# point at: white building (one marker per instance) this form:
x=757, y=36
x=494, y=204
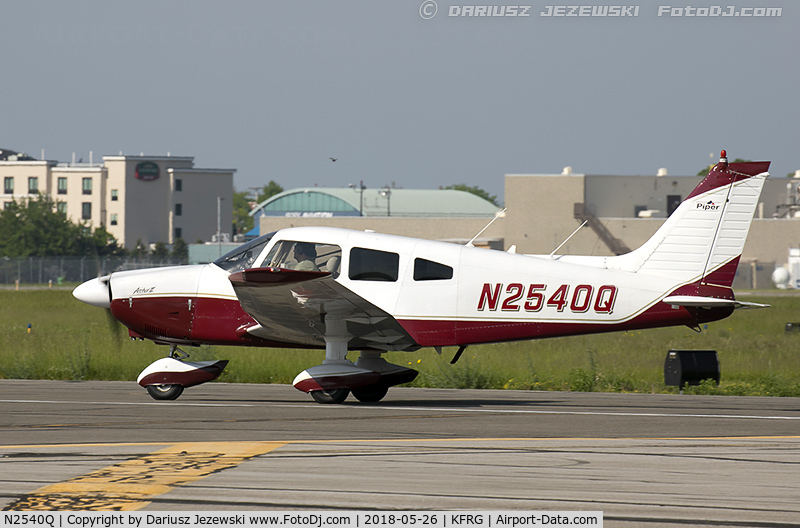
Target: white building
x=147, y=198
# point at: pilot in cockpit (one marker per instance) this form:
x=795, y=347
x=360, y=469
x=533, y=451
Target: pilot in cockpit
x=305, y=254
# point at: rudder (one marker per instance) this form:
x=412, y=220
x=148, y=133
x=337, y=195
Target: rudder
x=704, y=238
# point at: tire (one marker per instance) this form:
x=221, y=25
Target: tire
x=330, y=396
x=164, y=392
x=371, y=394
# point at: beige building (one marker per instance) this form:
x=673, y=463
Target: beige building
x=147, y=198
x=544, y=209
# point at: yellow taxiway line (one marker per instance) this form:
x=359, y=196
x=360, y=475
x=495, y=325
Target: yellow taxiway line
x=131, y=484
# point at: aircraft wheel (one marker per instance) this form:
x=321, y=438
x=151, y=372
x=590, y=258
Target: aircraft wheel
x=330, y=396
x=371, y=394
x=164, y=392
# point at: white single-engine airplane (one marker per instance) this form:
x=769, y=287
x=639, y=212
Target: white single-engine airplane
x=341, y=290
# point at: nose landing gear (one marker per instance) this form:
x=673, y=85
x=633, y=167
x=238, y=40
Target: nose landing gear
x=166, y=378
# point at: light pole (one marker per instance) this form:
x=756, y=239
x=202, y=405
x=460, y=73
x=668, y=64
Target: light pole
x=219, y=226
x=360, y=191
x=387, y=193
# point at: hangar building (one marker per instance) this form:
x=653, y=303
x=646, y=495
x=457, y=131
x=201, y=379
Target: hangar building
x=437, y=214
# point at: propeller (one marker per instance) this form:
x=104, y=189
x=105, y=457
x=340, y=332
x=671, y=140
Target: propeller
x=114, y=325
x=97, y=292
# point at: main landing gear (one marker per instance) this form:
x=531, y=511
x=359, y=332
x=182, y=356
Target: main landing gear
x=368, y=379
x=166, y=378
x=330, y=396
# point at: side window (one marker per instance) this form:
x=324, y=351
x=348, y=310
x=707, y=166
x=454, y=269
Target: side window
x=373, y=265
x=305, y=256
x=425, y=270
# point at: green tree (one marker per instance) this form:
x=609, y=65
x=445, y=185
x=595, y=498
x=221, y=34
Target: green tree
x=101, y=243
x=243, y=200
x=160, y=251
x=140, y=250
x=180, y=250
x=268, y=191
x=34, y=228
x=241, y=212
x=474, y=190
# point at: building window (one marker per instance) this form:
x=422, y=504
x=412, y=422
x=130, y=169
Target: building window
x=178, y=209
x=61, y=207
x=87, y=186
x=33, y=185
x=86, y=211
x=113, y=219
x=6, y=205
x=8, y=184
x=178, y=232
x=178, y=184
x=114, y=195
x=62, y=185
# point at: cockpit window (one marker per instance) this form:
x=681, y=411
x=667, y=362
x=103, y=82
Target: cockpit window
x=305, y=256
x=243, y=257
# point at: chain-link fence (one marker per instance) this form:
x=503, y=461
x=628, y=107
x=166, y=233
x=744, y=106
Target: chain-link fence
x=43, y=270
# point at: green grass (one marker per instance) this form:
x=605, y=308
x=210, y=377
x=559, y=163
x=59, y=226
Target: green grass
x=73, y=341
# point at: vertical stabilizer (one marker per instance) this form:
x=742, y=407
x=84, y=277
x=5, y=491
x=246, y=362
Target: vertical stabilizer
x=704, y=238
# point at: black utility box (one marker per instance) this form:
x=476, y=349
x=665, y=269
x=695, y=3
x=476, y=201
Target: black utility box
x=690, y=367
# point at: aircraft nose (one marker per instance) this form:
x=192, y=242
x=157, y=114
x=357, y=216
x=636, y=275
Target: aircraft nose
x=94, y=292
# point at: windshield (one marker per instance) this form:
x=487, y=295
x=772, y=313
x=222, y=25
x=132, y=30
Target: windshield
x=244, y=256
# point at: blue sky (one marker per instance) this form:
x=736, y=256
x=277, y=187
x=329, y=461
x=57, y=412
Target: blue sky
x=275, y=88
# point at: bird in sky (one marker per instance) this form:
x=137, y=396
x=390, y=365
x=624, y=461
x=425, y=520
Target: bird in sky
x=333, y=159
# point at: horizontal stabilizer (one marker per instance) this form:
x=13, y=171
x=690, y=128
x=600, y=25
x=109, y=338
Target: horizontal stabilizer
x=709, y=302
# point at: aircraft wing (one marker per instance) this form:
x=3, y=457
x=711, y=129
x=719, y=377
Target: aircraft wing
x=293, y=306
x=709, y=302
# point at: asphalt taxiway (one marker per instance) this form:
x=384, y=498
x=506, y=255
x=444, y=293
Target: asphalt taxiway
x=642, y=459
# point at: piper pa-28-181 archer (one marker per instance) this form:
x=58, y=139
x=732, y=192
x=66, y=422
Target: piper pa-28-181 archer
x=342, y=290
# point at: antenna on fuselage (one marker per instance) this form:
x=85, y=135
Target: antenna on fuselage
x=567, y=239
x=497, y=215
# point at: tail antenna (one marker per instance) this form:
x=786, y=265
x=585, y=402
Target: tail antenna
x=500, y=214
x=567, y=239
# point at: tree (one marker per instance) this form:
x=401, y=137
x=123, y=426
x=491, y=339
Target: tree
x=241, y=212
x=268, y=191
x=243, y=204
x=160, y=251
x=474, y=190
x=140, y=250
x=101, y=243
x=180, y=250
x=34, y=228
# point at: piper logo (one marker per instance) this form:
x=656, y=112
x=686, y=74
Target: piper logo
x=708, y=206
